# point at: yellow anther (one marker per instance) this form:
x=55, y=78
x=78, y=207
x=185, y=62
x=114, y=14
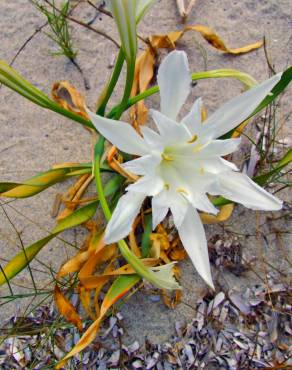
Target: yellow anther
x=202, y=171
x=166, y=157
x=193, y=139
x=182, y=191
x=166, y=186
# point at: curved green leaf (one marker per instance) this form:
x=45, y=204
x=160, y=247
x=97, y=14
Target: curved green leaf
x=263, y=179
x=22, y=259
x=33, y=185
x=78, y=217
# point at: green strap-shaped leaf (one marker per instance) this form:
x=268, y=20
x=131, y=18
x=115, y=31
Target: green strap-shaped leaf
x=43, y=180
x=277, y=90
x=145, y=242
x=23, y=258
x=33, y=185
x=263, y=179
x=78, y=217
x=119, y=288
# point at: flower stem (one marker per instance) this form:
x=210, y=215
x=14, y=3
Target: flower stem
x=128, y=87
x=113, y=81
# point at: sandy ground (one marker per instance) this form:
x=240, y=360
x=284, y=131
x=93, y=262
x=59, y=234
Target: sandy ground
x=32, y=139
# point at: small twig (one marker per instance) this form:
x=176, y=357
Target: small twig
x=80, y=23
x=37, y=30
x=85, y=80
x=22, y=246
x=100, y=9
x=271, y=67
x=7, y=280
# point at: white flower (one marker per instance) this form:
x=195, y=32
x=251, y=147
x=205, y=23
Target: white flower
x=182, y=162
x=127, y=13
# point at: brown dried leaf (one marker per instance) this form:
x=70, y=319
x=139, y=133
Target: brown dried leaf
x=223, y=215
x=105, y=254
x=84, y=295
x=168, y=41
x=144, y=71
x=171, y=300
x=212, y=38
x=69, y=98
x=66, y=308
x=94, y=281
x=73, y=195
x=74, y=264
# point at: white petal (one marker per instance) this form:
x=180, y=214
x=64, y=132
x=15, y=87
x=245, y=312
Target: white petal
x=241, y=189
x=174, y=81
x=192, y=235
x=120, y=134
x=193, y=120
x=215, y=165
x=145, y=165
x=123, y=217
x=219, y=148
x=170, y=131
x=236, y=110
x=150, y=185
x=159, y=209
x=189, y=180
x=152, y=139
x=201, y=202
x=228, y=165
x=178, y=207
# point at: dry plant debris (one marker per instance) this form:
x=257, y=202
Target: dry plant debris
x=230, y=330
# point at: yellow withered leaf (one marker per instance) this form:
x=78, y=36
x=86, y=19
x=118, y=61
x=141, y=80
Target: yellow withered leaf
x=74, y=264
x=132, y=238
x=144, y=71
x=84, y=295
x=168, y=40
x=66, y=308
x=105, y=254
x=223, y=215
x=98, y=288
x=74, y=193
x=213, y=39
x=35, y=184
x=69, y=98
x=118, y=289
x=177, y=254
x=171, y=300
x=94, y=281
